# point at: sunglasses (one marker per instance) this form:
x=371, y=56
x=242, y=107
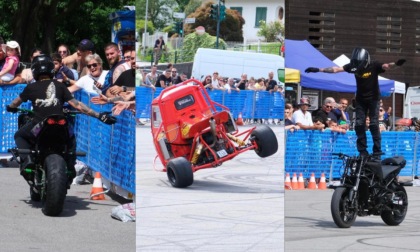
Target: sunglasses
x=328, y=106
x=62, y=52
x=92, y=65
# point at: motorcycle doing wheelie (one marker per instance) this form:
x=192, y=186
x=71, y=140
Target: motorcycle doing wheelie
x=369, y=188
x=48, y=177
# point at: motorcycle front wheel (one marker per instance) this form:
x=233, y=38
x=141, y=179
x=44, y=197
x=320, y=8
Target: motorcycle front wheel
x=398, y=207
x=343, y=212
x=55, y=185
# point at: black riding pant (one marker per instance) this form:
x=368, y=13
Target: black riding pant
x=364, y=108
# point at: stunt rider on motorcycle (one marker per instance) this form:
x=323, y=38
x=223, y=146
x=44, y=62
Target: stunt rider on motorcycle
x=48, y=97
x=368, y=94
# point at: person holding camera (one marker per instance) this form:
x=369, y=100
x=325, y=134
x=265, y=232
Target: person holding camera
x=366, y=73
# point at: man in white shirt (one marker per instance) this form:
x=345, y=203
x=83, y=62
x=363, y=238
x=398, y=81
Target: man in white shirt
x=303, y=118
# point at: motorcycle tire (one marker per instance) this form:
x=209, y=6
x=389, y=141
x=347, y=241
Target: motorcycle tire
x=395, y=216
x=55, y=185
x=342, y=212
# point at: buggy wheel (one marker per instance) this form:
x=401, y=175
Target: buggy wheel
x=179, y=172
x=343, y=212
x=398, y=210
x=55, y=185
x=266, y=141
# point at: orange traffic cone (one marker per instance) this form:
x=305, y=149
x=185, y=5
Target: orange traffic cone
x=301, y=183
x=294, y=182
x=240, y=121
x=97, y=192
x=287, y=183
x=312, y=183
x=322, y=183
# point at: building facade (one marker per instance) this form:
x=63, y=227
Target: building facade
x=254, y=11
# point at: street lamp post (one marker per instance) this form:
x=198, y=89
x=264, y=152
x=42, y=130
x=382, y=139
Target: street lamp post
x=145, y=30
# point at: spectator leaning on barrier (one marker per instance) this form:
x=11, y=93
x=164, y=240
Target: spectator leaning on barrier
x=126, y=81
x=48, y=97
x=164, y=80
x=116, y=64
x=84, y=48
x=288, y=122
x=325, y=111
x=243, y=83
x=366, y=73
x=271, y=83
x=303, y=118
x=341, y=113
x=151, y=77
x=175, y=77
x=61, y=70
x=383, y=122
x=92, y=82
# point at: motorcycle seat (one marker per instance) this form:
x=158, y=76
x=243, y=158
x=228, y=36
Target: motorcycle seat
x=394, y=161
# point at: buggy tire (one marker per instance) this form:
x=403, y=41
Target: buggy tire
x=342, y=212
x=180, y=172
x=395, y=216
x=266, y=141
x=55, y=185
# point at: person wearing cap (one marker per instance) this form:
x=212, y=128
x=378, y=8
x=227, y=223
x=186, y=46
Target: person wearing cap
x=8, y=70
x=366, y=73
x=84, y=48
x=303, y=118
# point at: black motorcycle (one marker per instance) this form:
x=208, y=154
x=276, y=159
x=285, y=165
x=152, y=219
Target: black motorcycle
x=49, y=177
x=369, y=187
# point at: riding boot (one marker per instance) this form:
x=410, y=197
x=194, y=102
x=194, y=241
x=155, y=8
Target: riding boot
x=27, y=167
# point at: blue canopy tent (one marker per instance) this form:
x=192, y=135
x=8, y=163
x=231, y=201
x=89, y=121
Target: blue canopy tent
x=301, y=55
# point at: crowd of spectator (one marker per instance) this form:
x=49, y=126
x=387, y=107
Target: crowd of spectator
x=331, y=116
x=82, y=69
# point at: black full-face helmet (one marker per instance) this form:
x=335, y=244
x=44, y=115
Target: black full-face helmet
x=360, y=59
x=42, y=65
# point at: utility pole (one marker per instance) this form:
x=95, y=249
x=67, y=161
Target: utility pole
x=145, y=30
x=218, y=25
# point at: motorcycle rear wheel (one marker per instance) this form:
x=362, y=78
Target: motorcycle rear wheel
x=397, y=215
x=342, y=212
x=55, y=185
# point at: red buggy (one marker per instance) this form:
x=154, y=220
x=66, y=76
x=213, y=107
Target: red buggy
x=191, y=132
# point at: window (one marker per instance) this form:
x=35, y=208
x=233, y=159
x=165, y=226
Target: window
x=260, y=15
x=239, y=9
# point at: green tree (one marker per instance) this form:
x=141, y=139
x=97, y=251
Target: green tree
x=192, y=6
x=271, y=30
x=46, y=24
x=230, y=28
x=193, y=41
x=158, y=11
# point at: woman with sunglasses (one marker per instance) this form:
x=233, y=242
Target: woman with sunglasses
x=64, y=51
x=93, y=81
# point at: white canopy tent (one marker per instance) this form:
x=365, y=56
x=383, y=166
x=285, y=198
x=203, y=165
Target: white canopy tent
x=399, y=87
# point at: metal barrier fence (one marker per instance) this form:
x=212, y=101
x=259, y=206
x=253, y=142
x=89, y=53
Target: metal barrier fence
x=252, y=104
x=109, y=149
x=310, y=151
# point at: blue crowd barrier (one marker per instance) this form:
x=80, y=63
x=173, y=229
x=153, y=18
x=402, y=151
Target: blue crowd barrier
x=310, y=151
x=110, y=149
x=252, y=104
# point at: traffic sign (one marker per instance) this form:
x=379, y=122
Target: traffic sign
x=189, y=20
x=179, y=15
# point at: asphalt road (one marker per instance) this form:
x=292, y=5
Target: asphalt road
x=235, y=207
x=84, y=225
x=310, y=227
